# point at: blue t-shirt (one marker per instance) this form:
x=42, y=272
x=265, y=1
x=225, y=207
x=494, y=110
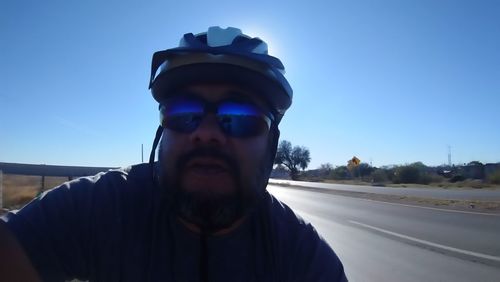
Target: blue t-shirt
x=115, y=226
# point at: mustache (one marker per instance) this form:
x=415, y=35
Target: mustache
x=230, y=162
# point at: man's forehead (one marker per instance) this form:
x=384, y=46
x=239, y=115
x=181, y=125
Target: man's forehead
x=219, y=91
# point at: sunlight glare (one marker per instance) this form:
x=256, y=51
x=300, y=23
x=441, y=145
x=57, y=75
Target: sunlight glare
x=273, y=46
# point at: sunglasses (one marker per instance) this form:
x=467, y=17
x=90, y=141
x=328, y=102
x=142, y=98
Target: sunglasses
x=235, y=118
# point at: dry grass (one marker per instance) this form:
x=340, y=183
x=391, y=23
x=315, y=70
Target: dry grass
x=18, y=190
x=469, y=183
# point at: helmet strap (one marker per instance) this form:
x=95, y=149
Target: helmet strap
x=159, y=132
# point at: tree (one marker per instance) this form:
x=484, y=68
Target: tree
x=293, y=158
x=364, y=170
x=325, y=169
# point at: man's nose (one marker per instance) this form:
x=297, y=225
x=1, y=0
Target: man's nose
x=209, y=132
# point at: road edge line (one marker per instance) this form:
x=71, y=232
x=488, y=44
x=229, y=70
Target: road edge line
x=428, y=243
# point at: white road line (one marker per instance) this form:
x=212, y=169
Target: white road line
x=479, y=255
x=429, y=208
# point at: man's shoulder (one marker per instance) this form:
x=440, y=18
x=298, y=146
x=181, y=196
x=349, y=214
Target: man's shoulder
x=288, y=226
x=139, y=173
x=296, y=239
x=83, y=221
x=284, y=216
x=123, y=185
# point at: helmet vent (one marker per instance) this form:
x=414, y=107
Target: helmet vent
x=217, y=36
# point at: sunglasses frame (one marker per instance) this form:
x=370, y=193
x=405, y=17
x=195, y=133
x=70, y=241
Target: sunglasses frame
x=213, y=108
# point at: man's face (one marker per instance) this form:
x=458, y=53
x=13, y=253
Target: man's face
x=213, y=177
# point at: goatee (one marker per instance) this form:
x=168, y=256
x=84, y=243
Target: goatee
x=210, y=211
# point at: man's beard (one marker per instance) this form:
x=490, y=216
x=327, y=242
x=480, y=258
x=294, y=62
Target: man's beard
x=209, y=210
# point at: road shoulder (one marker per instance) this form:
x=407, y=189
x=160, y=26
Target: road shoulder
x=490, y=207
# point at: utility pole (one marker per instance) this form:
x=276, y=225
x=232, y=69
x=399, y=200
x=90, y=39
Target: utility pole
x=449, y=155
x=142, y=153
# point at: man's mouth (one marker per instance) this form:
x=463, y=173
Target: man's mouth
x=207, y=166
x=208, y=174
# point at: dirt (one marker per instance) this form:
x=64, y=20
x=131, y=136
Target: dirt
x=18, y=190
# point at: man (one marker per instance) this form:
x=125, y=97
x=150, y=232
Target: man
x=202, y=212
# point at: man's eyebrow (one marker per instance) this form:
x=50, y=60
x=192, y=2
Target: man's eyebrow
x=182, y=94
x=244, y=96
x=239, y=95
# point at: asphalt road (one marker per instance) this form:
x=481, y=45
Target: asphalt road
x=379, y=241
x=432, y=192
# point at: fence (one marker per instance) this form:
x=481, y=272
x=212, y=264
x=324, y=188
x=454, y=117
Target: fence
x=46, y=170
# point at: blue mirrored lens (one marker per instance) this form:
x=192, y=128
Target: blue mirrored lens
x=242, y=119
x=182, y=115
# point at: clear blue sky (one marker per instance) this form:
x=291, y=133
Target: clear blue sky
x=390, y=82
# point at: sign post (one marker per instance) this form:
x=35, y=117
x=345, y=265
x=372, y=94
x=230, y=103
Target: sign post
x=352, y=164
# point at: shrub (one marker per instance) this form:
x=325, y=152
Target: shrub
x=407, y=174
x=379, y=176
x=494, y=178
x=425, y=178
x=457, y=178
x=390, y=173
x=340, y=173
x=416, y=173
x=436, y=178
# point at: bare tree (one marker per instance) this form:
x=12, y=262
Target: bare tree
x=293, y=158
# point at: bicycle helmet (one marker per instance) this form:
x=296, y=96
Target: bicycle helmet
x=222, y=55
